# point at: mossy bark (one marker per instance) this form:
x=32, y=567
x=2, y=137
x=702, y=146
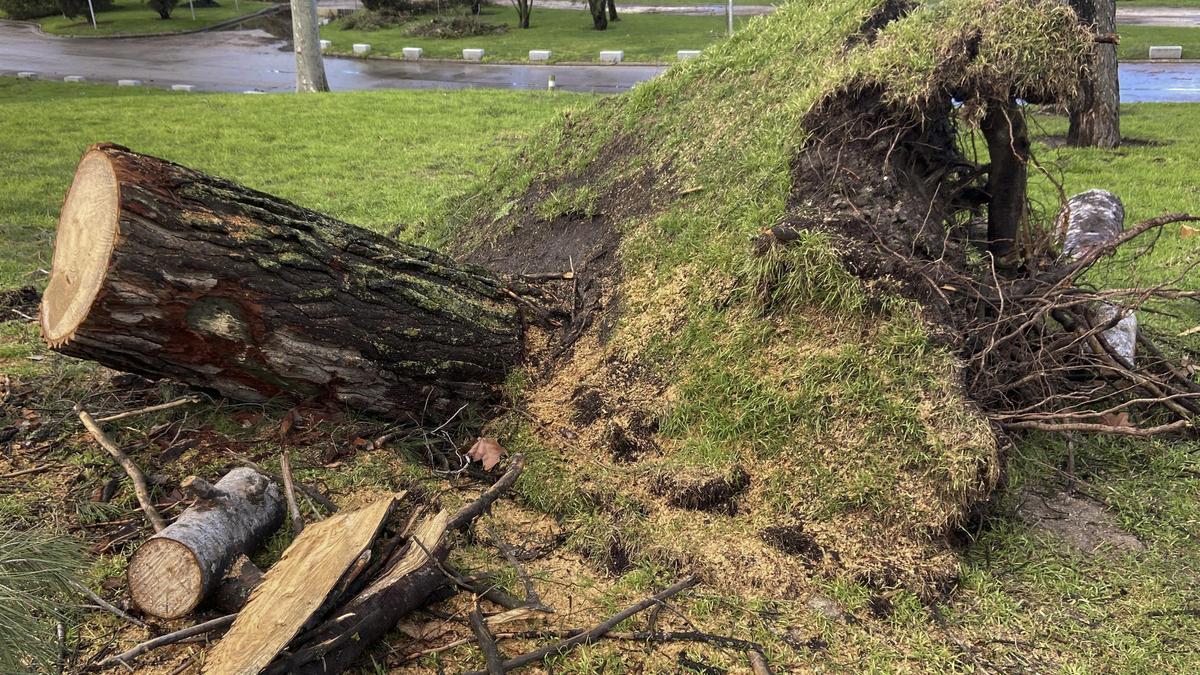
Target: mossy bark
x=244, y=293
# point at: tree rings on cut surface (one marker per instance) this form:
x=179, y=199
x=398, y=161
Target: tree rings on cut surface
x=87, y=230
x=165, y=578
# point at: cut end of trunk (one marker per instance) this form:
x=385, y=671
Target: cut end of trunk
x=165, y=578
x=87, y=230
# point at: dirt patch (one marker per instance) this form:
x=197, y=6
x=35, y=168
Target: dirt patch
x=715, y=495
x=792, y=539
x=1084, y=524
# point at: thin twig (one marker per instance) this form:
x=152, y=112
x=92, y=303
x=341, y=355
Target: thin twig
x=289, y=491
x=154, y=408
x=140, y=487
x=309, y=492
x=26, y=472
x=532, y=600
x=597, y=632
x=170, y=638
x=103, y=604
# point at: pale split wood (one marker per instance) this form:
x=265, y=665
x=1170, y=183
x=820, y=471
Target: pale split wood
x=88, y=228
x=295, y=588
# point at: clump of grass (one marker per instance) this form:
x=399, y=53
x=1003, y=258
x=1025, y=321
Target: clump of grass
x=36, y=570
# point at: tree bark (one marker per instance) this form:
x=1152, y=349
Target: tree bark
x=1095, y=116
x=612, y=11
x=1008, y=150
x=173, y=571
x=310, y=69
x=166, y=272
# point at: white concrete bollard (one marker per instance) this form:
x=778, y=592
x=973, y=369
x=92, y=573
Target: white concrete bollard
x=129, y=83
x=1166, y=52
x=412, y=53
x=611, y=57
x=73, y=78
x=325, y=44
x=27, y=75
x=253, y=91
x=685, y=54
x=472, y=55
x=182, y=87
x=362, y=49
x=539, y=54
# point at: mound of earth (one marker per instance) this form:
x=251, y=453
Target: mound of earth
x=745, y=386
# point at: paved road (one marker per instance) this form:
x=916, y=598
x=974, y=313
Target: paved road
x=255, y=60
x=1159, y=16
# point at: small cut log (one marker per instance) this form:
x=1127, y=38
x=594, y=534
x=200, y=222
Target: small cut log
x=177, y=568
x=167, y=272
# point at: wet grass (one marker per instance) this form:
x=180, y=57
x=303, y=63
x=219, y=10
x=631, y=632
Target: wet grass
x=650, y=38
x=130, y=17
x=1137, y=40
x=1024, y=602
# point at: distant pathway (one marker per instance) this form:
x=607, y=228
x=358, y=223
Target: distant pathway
x=1134, y=16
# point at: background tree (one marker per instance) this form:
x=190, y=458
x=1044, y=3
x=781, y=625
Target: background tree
x=612, y=11
x=524, y=9
x=599, y=14
x=163, y=7
x=310, y=70
x=1096, y=115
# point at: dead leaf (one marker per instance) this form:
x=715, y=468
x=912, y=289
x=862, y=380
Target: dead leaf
x=1186, y=232
x=1116, y=419
x=487, y=451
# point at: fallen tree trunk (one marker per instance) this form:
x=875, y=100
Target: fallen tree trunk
x=177, y=568
x=167, y=272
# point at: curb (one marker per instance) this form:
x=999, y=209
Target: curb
x=489, y=62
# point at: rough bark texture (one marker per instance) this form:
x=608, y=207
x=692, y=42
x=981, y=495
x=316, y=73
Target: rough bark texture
x=1095, y=115
x=310, y=69
x=173, y=571
x=237, y=291
x=1008, y=146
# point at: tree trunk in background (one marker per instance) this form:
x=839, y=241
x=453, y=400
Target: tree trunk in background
x=612, y=11
x=310, y=69
x=167, y=272
x=1008, y=149
x=1096, y=114
x=598, y=9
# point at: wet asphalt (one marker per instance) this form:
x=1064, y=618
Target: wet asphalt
x=255, y=60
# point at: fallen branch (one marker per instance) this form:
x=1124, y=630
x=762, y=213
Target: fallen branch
x=154, y=408
x=140, y=487
x=1172, y=427
x=289, y=491
x=491, y=654
x=596, y=633
x=532, y=600
x=124, y=658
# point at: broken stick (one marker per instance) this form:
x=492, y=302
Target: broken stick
x=140, y=487
x=289, y=491
x=124, y=658
x=487, y=643
x=153, y=408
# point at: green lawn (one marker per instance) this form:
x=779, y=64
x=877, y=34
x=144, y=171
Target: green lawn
x=1025, y=602
x=371, y=158
x=1136, y=41
x=131, y=17
x=1158, y=3
x=567, y=33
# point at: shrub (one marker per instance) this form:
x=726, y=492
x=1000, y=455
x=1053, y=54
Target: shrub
x=372, y=19
x=74, y=8
x=455, y=27
x=28, y=9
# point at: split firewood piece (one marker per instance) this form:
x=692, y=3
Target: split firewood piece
x=296, y=588
x=177, y=568
x=140, y=486
x=164, y=271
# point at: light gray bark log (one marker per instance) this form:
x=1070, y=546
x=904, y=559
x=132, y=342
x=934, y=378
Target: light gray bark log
x=182, y=565
x=310, y=68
